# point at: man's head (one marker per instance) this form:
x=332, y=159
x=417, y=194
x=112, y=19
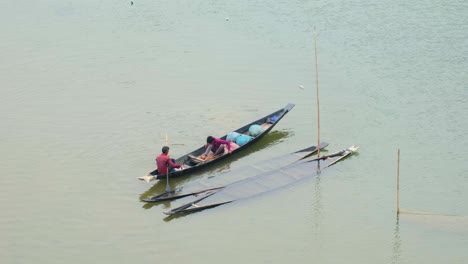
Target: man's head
x=165, y=149
x=209, y=139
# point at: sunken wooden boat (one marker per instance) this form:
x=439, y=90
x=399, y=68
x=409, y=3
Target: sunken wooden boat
x=262, y=183
x=192, y=161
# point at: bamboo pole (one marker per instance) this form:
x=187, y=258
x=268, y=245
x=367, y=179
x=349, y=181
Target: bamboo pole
x=317, y=91
x=398, y=183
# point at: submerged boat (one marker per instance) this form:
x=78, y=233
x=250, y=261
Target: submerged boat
x=192, y=161
x=213, y=183
x=262, y=183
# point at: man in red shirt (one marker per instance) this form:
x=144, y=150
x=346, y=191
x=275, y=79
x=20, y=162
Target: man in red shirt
x=163, y=162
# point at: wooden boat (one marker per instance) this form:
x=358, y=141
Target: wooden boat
x=213, y=183
x=192, y=161
x=262, y=183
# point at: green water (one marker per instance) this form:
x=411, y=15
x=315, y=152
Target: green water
x=88, y=90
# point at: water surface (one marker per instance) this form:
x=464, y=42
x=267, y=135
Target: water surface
x=90, y=88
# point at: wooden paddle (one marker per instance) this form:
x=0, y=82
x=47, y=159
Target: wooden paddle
x=168, y=187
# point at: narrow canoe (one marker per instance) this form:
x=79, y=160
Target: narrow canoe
x=191, y=161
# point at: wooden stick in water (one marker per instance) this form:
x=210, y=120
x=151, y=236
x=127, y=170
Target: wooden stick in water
x=398, y=183
x=317, y=90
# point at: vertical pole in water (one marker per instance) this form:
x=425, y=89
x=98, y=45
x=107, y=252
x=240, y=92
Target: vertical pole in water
x=398, y=183
x=168, y=188
x=317, y=89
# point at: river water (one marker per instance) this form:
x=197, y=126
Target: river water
x=89, y=90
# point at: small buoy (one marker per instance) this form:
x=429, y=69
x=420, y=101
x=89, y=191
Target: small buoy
x=227, y=18
x=301, y=86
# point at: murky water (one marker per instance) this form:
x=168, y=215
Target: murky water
x=90, y=88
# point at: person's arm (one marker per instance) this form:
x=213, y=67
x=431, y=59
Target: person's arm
x=173, y=165
x=207, y=151
x=228, y=143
